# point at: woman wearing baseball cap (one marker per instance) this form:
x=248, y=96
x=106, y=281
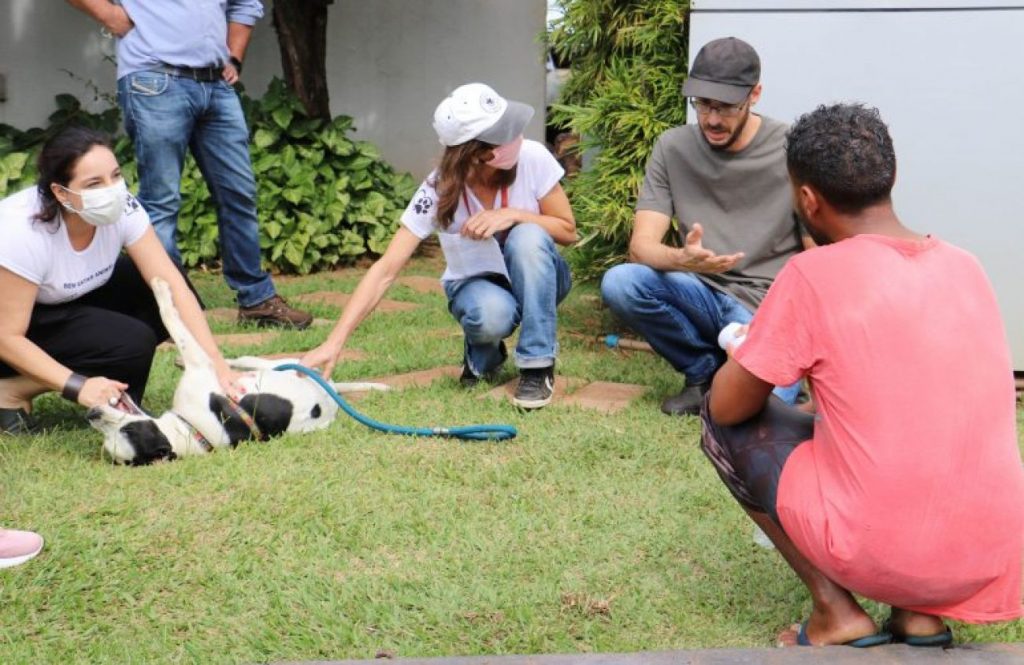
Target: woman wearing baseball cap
x=497, y=206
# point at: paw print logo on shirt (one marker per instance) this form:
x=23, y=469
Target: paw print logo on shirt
x=131, y=204
x=423, y=203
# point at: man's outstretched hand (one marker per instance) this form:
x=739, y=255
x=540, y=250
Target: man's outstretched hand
x=694, y=257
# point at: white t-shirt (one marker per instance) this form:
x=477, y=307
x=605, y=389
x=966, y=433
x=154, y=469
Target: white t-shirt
x=42, y=253
x=536, y=174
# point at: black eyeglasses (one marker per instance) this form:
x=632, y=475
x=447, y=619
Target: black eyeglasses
x=705, y=107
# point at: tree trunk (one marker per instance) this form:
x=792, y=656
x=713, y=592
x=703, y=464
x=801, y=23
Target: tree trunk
x=302, y=36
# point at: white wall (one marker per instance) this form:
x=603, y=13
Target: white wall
x=39, y=39
x=947, y=84
x=389, y=63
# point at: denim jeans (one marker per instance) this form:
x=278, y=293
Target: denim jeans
x=680, y=316
x=165, y=115
x=489, y=308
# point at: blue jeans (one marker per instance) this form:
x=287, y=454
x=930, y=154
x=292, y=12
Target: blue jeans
x=165, y=115
x=489, y=308
x=680, y=316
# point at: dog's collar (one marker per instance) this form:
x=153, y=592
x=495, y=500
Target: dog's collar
x=247, y=420
x=203, y=442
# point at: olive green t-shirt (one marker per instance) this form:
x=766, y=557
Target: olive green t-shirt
x=742, y=200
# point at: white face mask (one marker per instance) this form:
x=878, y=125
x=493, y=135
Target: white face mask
x=101, y=206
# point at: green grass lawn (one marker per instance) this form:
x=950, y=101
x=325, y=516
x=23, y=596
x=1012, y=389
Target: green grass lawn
x=588, y=532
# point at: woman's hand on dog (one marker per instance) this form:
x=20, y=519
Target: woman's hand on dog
x=323, y=357
x=99, y=390
x=230, y=382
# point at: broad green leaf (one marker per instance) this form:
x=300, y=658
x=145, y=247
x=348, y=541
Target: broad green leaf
x=369, y=150
x=282, y=116
x=264, y=138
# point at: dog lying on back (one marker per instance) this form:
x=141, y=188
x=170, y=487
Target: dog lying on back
x=202, y=417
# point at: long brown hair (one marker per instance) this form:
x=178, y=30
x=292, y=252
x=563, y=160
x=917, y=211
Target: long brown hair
x=450, y=179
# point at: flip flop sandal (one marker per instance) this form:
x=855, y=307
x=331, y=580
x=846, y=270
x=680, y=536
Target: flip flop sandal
x=875, y=640
x=17, y=421
x=943, y=639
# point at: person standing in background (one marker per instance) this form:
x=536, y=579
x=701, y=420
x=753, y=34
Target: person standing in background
x=176, y=63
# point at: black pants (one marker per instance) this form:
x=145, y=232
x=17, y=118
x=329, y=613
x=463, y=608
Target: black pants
x=112, y=331
x=749, y=456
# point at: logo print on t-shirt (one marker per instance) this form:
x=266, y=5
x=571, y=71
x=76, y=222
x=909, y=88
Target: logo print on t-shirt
x=131, y=204
x=423, y=204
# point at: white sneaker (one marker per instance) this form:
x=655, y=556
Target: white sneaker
x=17, y=547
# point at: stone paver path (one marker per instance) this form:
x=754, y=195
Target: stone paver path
x=245, y=339
x=603, y=396
x=231, y=339
x=563, y=386
x=422, y=284
x=339, y=299
x=417, y=379
x=230, y=315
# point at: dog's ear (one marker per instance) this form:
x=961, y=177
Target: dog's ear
x=272, y=414
x=149, y=442
x=234, y=427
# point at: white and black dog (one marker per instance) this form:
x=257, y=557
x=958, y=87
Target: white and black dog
x=202, y=417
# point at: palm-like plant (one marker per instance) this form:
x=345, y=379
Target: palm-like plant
x=628, y=62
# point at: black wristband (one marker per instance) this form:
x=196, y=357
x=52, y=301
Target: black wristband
x=73, y=386
x=236, y=63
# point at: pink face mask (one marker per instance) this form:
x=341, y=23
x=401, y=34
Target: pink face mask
x=506, y=155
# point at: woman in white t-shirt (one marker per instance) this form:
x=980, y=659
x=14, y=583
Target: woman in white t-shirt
x=497, y=206
x=77, y=316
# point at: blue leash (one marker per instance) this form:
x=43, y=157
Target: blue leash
x=469, y=432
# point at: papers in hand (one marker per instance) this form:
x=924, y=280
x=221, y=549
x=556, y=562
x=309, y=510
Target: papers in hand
x=467, y=257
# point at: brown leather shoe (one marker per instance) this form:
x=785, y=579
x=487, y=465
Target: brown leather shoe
x=275, y=312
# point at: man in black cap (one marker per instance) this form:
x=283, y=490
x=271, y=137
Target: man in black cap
x=725, y=182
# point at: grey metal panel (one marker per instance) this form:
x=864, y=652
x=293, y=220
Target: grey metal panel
x=948, y=85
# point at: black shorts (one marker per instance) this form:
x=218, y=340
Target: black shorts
x=749, y=457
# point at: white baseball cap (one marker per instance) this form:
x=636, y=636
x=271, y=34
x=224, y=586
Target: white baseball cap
x=476, y=111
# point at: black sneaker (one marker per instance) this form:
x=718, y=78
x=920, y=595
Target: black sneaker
x=18, y=421
x=469, y=379
x=687, y=402
x=536, y=387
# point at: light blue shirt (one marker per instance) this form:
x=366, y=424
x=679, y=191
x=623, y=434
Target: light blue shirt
x=184, y=33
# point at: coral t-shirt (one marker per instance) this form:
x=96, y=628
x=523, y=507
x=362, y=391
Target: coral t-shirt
x=911, y=491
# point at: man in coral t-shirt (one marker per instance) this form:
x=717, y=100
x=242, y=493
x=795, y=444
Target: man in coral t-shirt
x=907, y=490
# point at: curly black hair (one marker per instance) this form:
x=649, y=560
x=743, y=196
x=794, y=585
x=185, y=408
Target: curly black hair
x=845, y=152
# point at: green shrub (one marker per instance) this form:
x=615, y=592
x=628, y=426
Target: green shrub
x=18, y=149
x=323, y=198
x=628, y=63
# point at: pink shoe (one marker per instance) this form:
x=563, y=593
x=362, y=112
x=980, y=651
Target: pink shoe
x=17, y=547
